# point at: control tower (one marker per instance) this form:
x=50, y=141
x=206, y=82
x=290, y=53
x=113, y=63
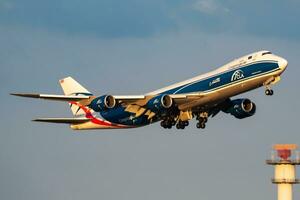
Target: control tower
x=285, y=162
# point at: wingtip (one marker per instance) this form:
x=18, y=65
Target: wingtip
x=26, y=95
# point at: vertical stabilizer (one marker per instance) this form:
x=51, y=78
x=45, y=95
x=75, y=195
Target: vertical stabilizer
x=72, y=87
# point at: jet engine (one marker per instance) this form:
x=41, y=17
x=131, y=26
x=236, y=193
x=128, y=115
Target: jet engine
x=161, y=102
x=241, y=108
x=103, y=103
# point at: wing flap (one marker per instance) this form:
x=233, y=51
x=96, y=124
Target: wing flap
x=62, y=120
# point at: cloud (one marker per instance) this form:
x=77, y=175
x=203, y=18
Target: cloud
x=209, y=7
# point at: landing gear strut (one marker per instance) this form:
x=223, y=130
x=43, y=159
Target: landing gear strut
x=268, y=91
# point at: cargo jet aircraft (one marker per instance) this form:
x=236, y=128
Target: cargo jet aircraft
x=200, y=97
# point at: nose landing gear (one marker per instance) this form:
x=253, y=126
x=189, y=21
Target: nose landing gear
x=269, y=92
x=268, y=83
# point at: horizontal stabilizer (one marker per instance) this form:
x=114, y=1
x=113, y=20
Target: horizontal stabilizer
x=52, y=97
x=62, y=120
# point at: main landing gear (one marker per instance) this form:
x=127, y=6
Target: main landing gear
x=168, y=123
x=182, y=124
x=202, y=119
x=202, y=123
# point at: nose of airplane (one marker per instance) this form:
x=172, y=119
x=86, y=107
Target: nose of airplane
x=282, y=63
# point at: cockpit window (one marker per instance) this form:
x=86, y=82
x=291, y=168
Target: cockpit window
x=265, y=53
x=250, y=57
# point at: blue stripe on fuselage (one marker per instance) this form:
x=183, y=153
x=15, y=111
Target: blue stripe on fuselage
x=224, y=78
x=120, y=116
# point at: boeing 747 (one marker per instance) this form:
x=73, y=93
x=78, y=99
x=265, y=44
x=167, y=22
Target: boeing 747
x=201, y=97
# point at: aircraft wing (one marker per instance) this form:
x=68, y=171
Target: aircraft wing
x=138, y=105
x=190, y=100
x=142, y=100
x=53, y=97
x=186, y=97
x=62, y=120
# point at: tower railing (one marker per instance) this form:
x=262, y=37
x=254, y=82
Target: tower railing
x=282, y=162
x=283, y=180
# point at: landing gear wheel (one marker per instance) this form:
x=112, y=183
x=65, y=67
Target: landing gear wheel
x=166, y=124
x=201, y=125
x=202, y=119
x=182, y=124
x=269, y=92
x=178, y=126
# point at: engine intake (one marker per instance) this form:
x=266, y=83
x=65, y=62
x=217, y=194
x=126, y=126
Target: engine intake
x=103, y=103
x=161, y=102
x=241, y=108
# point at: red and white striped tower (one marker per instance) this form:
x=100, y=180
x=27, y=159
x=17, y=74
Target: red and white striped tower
x=285, y=169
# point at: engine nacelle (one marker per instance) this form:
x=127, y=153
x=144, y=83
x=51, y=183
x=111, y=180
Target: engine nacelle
x=161, y=102
x=103, y=103
x=241, y=108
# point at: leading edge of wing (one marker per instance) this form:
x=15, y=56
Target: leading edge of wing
x=52, y=96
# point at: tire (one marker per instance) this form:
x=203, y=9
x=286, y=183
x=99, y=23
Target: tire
x=202, y=126
x=268, y=92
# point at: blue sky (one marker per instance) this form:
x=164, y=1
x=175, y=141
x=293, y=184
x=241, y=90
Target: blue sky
x=133, y=47
x=132, y=18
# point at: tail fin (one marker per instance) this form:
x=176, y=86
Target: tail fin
x=72, y=87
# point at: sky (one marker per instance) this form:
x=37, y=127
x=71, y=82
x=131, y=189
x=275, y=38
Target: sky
x=133, y=47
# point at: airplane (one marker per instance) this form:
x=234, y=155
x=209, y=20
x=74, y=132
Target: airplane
x=200, y=97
